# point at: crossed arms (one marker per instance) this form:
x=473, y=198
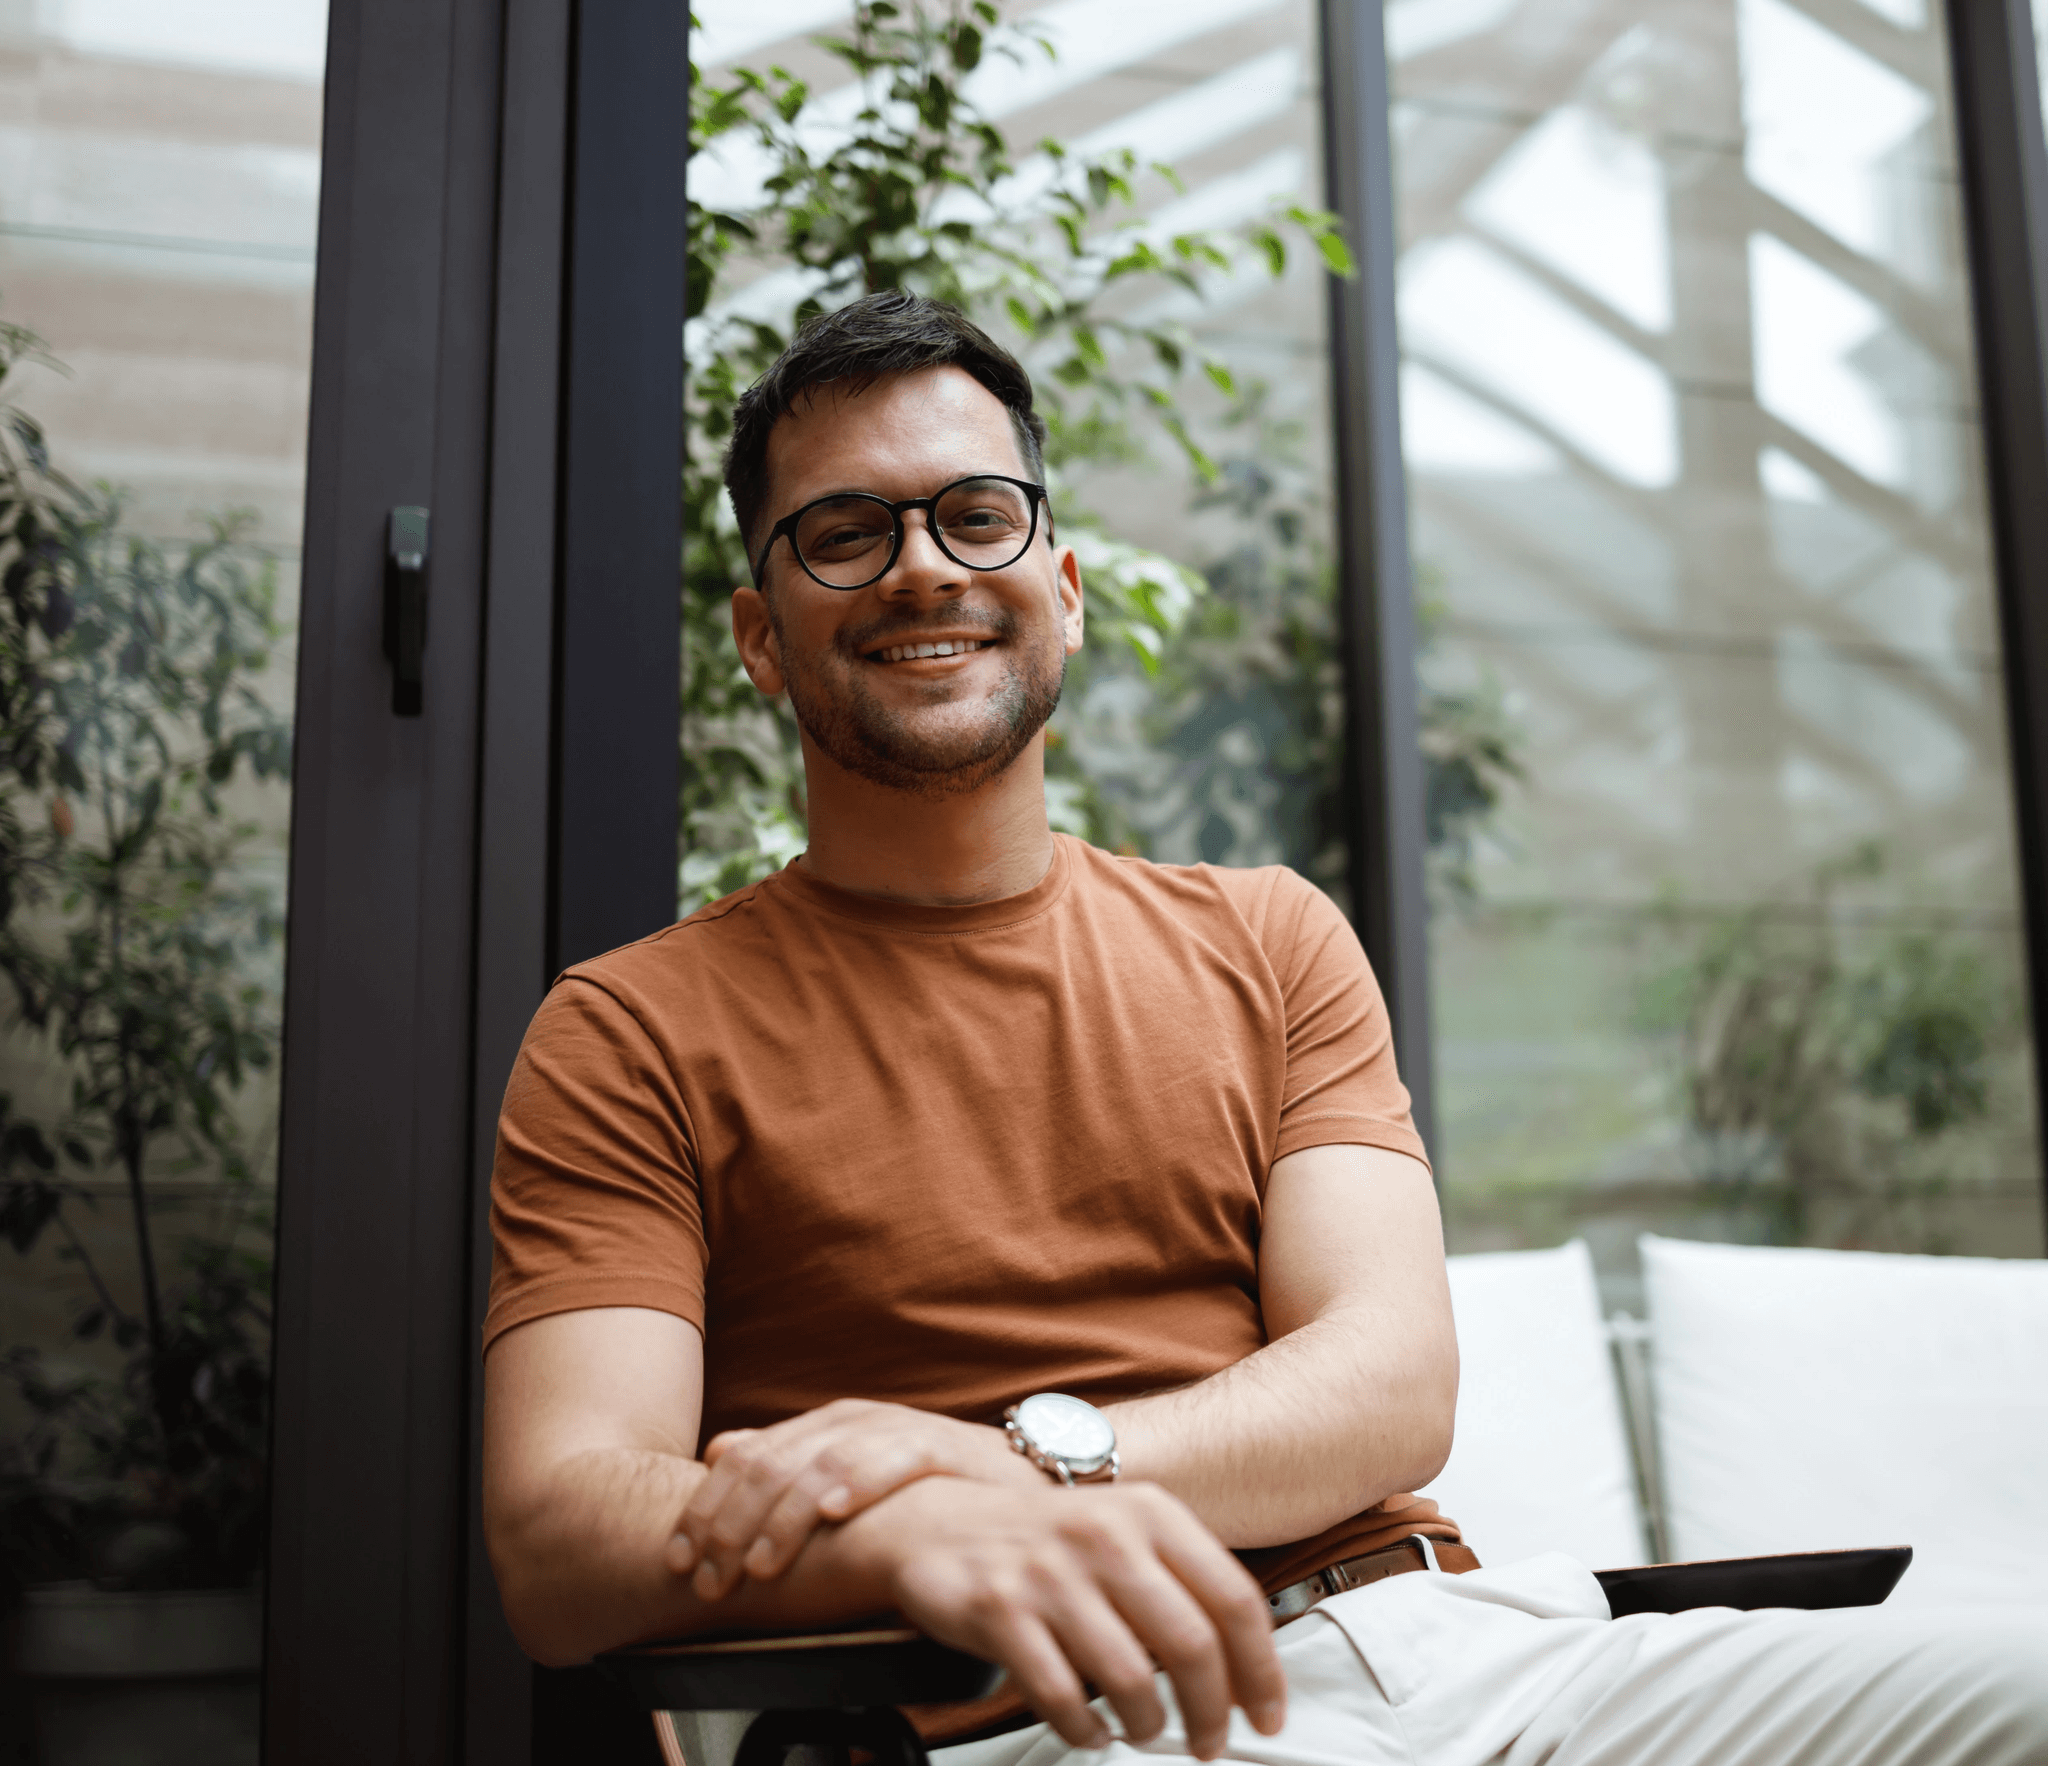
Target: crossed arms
x=604, y=1528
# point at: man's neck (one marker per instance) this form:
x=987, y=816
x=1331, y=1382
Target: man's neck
x=983, y=845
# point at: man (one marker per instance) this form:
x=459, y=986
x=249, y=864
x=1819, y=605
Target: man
x=795, y=1200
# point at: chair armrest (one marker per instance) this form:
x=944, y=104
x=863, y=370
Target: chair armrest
x=1809, y=1579
x=897, y=1666
x=814, y=1671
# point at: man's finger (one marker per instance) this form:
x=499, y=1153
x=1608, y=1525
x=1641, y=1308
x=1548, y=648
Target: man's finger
x=840, y=1481
x=1099, y=1641
x=1181, y=1637
x=1041, y=1672
x=714, y=1449
x=729, y=1507
x=1243, y=1622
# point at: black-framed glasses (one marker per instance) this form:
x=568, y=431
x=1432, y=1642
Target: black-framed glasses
x=853, y=538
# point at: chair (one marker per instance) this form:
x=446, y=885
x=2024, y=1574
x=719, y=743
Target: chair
x=751, y=1701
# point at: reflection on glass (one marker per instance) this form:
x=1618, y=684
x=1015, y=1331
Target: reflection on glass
x=1725, y=930
x=1202, y=721
x=157, y=217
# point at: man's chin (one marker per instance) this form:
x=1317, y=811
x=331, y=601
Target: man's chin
x=942, y=749
x=930, y=763
x=933, y=774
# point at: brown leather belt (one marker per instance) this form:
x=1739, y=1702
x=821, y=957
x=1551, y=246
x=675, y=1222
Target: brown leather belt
x=1004, y=1710
x=1417, y=1552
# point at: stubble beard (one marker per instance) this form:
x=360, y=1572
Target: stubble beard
x=934, y=757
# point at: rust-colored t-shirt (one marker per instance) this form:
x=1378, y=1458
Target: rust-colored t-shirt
x=947, y=1156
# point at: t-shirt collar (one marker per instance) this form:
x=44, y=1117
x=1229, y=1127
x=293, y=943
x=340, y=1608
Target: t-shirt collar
x=904, y=916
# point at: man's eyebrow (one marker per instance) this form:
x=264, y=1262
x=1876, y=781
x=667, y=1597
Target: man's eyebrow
x=862, y=490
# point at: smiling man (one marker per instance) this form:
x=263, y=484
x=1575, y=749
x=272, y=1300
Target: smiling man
x=966, y=1223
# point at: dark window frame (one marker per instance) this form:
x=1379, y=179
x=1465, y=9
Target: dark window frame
x=1382, y=776
x=2004, y=164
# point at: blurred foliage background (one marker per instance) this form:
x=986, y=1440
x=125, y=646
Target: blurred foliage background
x=143, y=962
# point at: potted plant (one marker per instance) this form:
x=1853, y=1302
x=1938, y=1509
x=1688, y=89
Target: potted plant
x=135, y=948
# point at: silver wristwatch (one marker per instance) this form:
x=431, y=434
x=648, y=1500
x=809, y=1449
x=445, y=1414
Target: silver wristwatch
x=1066, y=1438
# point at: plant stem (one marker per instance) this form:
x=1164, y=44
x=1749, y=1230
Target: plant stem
x=128, y=1128
x=92, y=1272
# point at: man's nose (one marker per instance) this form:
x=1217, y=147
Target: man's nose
x=921, y=568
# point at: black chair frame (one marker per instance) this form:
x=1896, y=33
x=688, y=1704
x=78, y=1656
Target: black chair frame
x=839, y=1691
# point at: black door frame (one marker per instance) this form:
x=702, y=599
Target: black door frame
x=497, y=336
x=368, y=1475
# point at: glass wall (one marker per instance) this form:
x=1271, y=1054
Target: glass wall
x=1726, y=940
x=159, y=179
x=1190, y=433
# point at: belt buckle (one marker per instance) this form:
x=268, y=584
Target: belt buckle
x=1292, y=1602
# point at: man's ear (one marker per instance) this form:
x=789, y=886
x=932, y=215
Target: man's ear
x=754, y=632
x=1067, y=584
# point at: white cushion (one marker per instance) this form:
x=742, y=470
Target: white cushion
x=1817, y=1399
x=1540, y=1462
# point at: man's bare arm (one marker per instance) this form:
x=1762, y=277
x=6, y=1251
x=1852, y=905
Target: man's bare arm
x=589, y=1418
x=1352, y=1398
x=590, y=1428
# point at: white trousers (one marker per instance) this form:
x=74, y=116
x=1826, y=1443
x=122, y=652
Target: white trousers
x=1521, y=1666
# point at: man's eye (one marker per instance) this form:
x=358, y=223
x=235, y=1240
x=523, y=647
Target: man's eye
x=843, y=537
x=981, y=520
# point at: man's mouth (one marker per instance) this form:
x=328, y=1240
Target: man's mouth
x=933, y=647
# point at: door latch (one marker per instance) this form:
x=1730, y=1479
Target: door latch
x=405, y=606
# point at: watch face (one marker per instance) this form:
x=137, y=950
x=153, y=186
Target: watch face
x=1078, y=1433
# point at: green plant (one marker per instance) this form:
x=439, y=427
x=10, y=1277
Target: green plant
x=137, y=951
x=1471, y=754
x=917, y=188
x=1823, y=1069
x=1229, y=748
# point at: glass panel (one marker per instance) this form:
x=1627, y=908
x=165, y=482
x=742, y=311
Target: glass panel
x=159, y=177
x=2041, y=47
x=1202, y=721
x=1726, y=932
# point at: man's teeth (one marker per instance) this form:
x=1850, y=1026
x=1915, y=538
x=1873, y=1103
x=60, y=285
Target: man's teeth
x=944, y=647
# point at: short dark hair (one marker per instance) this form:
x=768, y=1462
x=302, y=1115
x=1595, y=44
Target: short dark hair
x=884, y=334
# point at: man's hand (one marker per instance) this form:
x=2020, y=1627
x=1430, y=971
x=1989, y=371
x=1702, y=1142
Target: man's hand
x=770, y=1489
x=1069, y=1589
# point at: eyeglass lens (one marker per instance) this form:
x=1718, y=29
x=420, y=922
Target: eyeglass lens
x=982, y=523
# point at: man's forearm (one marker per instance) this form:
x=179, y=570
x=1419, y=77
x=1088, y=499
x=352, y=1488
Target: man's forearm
x=1353, y=1396
x=1313, y=1428
x=585, y=1564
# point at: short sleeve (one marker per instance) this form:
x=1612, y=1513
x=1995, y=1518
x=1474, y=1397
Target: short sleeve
x=1343, y=1087
x=594, y=1192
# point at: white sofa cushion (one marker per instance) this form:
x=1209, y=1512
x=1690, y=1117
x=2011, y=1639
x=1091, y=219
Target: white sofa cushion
x=1541, y=1462
x=1814, y=1399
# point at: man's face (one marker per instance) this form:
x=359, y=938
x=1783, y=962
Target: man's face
x=934, y=725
